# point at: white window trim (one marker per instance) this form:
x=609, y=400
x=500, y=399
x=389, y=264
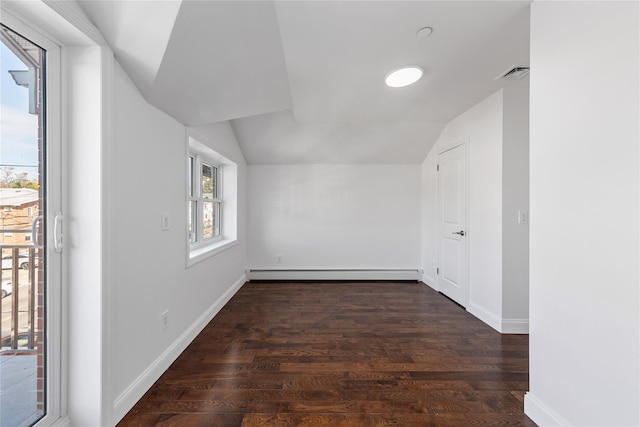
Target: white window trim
x=203, y=249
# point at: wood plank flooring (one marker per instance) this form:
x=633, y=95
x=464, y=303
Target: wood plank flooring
x=342, y=354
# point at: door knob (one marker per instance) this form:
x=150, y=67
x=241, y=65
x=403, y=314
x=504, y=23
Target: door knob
x=461, y=232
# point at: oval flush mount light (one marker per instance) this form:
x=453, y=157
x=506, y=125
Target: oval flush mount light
x=425, y=32
x=403, y=76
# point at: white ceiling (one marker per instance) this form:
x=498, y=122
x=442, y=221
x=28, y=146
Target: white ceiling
x=303, y=81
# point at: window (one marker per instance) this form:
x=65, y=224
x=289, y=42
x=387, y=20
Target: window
x=205, y=200
x=211, y=202
x=29, y=212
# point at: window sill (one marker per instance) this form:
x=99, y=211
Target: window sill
x=200, y=254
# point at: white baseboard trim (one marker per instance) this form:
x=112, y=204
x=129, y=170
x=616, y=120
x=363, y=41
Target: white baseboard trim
x=125, y=401
x=485, y=315
x=515, y=326
x=346, y=274
x=504, y=326
x=430, y=281
x=541, y=413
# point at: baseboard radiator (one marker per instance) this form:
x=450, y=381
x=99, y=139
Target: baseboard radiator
x=338, y=274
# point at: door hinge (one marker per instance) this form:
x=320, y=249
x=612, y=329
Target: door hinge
x=437, y=271
x=437, y=168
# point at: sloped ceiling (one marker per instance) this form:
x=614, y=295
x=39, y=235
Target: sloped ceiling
x=303, y=81
x=224, y=61
x=129, y=27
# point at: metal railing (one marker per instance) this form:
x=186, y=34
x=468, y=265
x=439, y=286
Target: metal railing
x=19, y=333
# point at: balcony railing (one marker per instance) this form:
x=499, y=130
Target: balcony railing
x=20, y=281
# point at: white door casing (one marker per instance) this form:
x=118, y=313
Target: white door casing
x=452, y=223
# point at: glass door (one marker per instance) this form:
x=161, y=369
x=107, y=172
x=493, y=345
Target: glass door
x=29, y=227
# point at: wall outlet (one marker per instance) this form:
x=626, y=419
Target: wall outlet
x=278, y=258
x=164, y=320
x=165, y=221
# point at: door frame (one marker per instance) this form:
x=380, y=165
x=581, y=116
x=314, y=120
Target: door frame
x=55, y=319
x=441, y=150
x=87, y=85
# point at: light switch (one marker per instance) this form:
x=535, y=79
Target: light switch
x=522, y=217
x=165, y=221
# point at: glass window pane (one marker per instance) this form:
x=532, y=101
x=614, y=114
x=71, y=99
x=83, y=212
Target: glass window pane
x=216, y=219
x=209, y=218
x=214, y=184
x=207, y=181
x=23, y=380
x=190, y=176
x=193, y=227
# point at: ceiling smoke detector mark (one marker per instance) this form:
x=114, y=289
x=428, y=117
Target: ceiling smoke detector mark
x=514, y=73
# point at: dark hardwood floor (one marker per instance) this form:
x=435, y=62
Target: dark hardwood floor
x=342, y=354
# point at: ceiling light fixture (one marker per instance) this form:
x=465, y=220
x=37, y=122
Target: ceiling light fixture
x=425, y=32
x=403, y=76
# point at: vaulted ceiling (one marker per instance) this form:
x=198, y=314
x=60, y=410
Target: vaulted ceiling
x=303, y=81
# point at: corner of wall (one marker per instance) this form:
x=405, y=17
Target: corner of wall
x=430, y=281
x=428, y=217
x=515, y=326
x=491, y=319
x=542, y=413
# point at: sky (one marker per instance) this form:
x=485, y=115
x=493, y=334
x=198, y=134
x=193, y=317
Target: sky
x=18, y=128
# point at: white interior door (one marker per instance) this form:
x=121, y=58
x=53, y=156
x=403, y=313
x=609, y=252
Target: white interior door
x=452, y=223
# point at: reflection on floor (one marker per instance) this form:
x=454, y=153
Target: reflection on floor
x=342, y=354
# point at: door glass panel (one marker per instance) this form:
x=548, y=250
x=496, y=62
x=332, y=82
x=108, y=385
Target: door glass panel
x=22, y=198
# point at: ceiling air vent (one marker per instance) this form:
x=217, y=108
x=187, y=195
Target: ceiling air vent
x=514, y=73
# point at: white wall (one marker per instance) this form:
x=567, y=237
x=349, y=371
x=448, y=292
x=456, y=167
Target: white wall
x=148, y=177
x=482, y=125
x=429, y=218
x=334, y=216
x=481, y=128
x=83, y=236
x=496, y=133
x=585, y=308
x=515, y=198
